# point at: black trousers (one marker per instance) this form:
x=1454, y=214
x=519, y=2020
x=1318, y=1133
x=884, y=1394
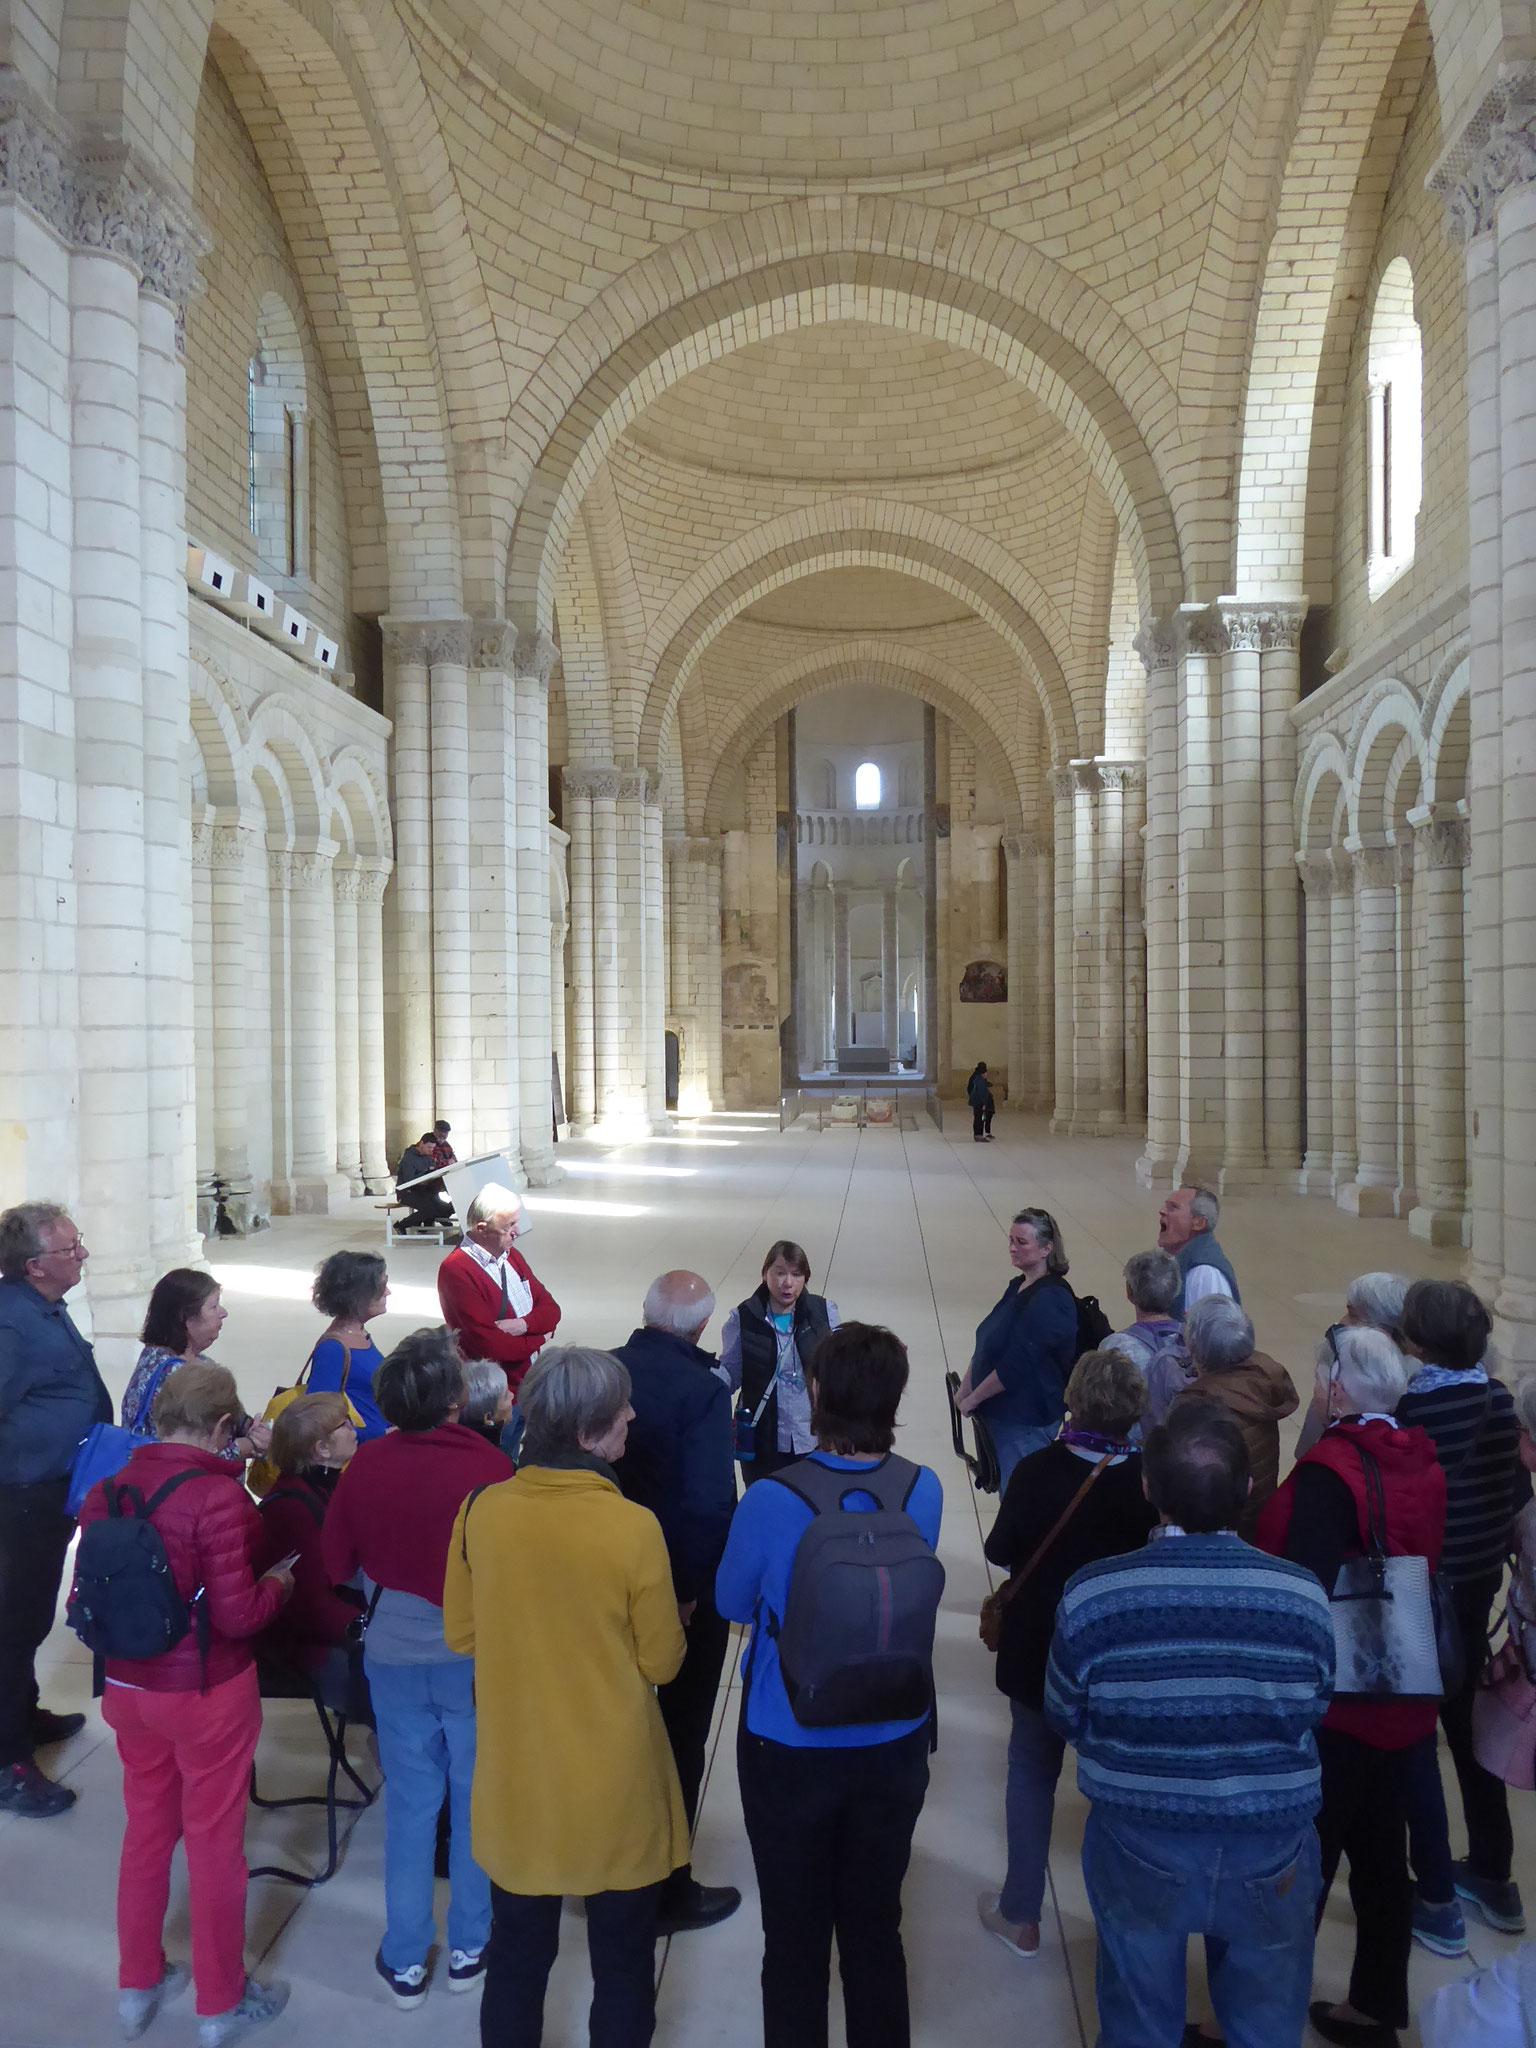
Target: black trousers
x=525, y=1938
x=1364, y=1817
x=981, y=1118
x=34, y=1539
x=1484, y=1801
x=427, y=1205
x=831, y=1834
x=687, y=1702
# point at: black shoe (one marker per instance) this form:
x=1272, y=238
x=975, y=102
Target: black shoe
x=701, y=1905
x=1350, y=2033
x=49, y=1728
x=25, y=1791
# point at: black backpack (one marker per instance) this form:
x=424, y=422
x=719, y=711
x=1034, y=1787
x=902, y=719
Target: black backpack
x=856, y=1637
x=1093, y=1326
x=124, y=1601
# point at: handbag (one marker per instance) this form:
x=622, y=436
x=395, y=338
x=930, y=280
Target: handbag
x=106, y=1447
x=1504, y=1719
x=261, y=1475
x=997, y=1603
x=1395, y=1633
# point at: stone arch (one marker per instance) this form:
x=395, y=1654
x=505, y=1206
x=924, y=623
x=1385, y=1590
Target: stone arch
x=1388, y=716
x=890, y=261
x=1448, y=731
x=132, y=68
x=865, y=660
x=220, y=732
x=291, y=755
x=1322, y=794
x=351, y=788
x=848, y=532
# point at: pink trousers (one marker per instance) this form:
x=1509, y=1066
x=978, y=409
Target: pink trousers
x=186, y=1774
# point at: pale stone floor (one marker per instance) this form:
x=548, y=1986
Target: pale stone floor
x=905, y=1228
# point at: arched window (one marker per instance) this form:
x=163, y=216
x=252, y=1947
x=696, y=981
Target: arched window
x=866, y=787
x=277, y=443
x=1394, y=430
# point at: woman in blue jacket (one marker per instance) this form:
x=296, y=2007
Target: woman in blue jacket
x=830, y=1811
x=1026, y=1348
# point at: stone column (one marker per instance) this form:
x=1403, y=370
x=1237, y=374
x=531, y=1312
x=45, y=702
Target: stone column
x=279, y=891
x=492, y=901
x=409, y=646
x=559, y=932
x=610, y=1060
x=1343, y=970
x=232, y=846
x=1442, y=851
x=1063, y=784
x=889, y=991
x=202, y=1002
x=1156, y=645
x=349, y=1144
x=581, y=1082
x=256, y=991
x=698, y=1004
x=1115, y=779
x=315, y=1188
x=1316, y=1174
x=452, y=1061
x=371, y=879
x=1370, y=1192
x=1407, y=952
x=1134, y=947
x=987, y=839
x=654, y=1019
x=535, y=664
x=842, y=971
x=944, y=979
x=1201, y=901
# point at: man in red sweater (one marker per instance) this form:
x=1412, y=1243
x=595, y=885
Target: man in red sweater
x=490, y=1298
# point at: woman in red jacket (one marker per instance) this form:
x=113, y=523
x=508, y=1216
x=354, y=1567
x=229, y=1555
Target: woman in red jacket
x=313, y=1442
x=187, y=1721
x=1370, y=1750
x=490, y=1298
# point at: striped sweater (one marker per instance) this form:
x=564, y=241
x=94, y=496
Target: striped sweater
x=1477, y=1441
x=1189, y=1677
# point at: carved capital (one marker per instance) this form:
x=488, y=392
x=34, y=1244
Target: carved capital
x=1063, y=784
x=228, y=845
x=312, y=869
x=423, y=643
x=1317, y=874
x=371, y=884
x=493, y=645
x=536, y=662
x=593, y=783
x=1262, y=626
x=1024, y=846
x=1157, y=644
x=1342, y=860
x=1444, y=842
x=1376, y=867
x=1122, y=775
x=202, y=846
x=1495, y=151
x=280, y=868
x=639, y=786
x=1200, y=630
x=706, y=852
x=348, y=884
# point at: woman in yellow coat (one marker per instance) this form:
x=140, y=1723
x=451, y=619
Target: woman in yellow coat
x=561, y=1590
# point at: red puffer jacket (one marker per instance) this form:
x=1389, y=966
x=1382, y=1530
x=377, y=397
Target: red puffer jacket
x=210, y=1529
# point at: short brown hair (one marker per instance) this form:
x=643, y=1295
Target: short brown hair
x=793, y=1256
x=176, y=1298
x=859, y=1372
x=193, y=1397
x=1106, y=1394
x=303, y=1427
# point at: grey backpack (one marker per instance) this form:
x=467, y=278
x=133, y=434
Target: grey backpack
x=856, y=1636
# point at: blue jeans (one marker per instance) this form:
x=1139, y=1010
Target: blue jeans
x=1035, y=1751
x=1251, y=1896
x=1015, y=1440
x=425, y=1714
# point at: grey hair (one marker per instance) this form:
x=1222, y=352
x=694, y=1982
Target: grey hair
x=1206, y=1206
x=1372, y=1371
x=484, y=1384
x=1153, y=1280
x=21, y=1235
x=492, y=1201
x=1377, y=1299
x=570, y=1392
x=1524, y=1393
x=1218, y=1333
x=664, y=1309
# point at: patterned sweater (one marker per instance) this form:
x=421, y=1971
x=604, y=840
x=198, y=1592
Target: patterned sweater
x=1189, y=1677
x=1477, y=1440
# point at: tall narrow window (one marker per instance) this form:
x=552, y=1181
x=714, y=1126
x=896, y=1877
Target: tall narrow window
x=1394, y=430
x=278, y=444
x=866, y=787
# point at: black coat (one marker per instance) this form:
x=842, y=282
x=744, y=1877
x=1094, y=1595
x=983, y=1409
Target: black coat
x=678, y=1459
x=760, y=1351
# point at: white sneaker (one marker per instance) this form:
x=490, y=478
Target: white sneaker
x=1009, y=1933
x=136, y=2009
x=260, y=2003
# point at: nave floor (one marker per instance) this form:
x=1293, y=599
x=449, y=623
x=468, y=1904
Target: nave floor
x=904, y=1228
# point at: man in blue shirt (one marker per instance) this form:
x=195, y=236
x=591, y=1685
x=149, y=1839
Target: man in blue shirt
x=50, y=1395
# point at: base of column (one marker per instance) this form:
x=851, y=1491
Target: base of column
x=625, y=1128
x=1154, y=1169
x=311, y=1195
x=1514, y=1330
x=540, y=1166
x=1357, y=1199
x=1438, y=1226
x=1244, y=1175
x=662, y=1125
x=1194, y=1169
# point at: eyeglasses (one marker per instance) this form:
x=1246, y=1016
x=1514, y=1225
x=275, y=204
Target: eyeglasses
x=76, y=1250
x=1333, y=1346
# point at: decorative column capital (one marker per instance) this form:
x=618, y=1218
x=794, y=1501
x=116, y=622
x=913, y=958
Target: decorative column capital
x=280, y=867
x=1262, y=625
x=536, y=660
x=1199, y=630
x=1122, y=774
x=348, y=884
x=1494, y=151
x=1316, y=870
x=639, y=786
x=1025, y=846
x=202, y=845
x=1443, y=842
x=707, y=852
x=1157, y=644
x=228, y=845
x=311, y=866
x=1375, y=867
x=1063, y=784
x=591, y=783
x=423, y=643
x=1342, y=860
x=493, y=644
x=372, y=881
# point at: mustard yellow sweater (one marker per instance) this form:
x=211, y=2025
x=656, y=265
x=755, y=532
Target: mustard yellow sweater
x=566, y=1605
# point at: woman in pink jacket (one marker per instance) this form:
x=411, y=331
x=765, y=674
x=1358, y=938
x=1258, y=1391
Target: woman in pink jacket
x=187, y=1721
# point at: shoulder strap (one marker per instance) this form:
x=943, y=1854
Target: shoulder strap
x=177, y=1479
x=1375, y=1501
x=146, y=1405
x=823, y=1490
x=469, y=1502
x=1014, y=1584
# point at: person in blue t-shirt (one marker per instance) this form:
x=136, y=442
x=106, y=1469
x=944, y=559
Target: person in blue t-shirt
x=829, y=1812
x=351, y=1288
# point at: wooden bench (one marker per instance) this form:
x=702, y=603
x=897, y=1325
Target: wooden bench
x=424, y=1233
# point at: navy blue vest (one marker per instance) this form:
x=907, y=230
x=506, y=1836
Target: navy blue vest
x=1203, y=1250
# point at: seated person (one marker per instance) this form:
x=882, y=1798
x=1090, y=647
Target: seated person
x=488, y=1406
x=443, y=1153
x=427, y=1201
x=312, y=1442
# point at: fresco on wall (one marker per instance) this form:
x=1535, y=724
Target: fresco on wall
x=984, y=981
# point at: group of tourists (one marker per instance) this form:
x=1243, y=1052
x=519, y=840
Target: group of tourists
x=491, y=1548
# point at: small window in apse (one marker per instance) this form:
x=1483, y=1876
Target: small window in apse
x=866, y=787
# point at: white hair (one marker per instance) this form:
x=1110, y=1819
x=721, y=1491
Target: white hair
x=1205, y=1205
x=1218, y=1333
x=1377, y=1300
x=485, y=1381
x=1373, y=1373
x=491, y=1204
x=673, y=1308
